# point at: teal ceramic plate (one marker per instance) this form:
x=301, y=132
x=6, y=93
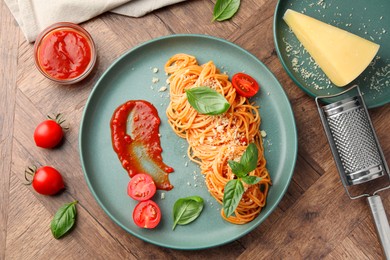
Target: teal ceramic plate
x=370, y=20
x=131, y=77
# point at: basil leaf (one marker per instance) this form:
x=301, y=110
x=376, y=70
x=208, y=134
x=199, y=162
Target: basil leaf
x=186, y=210
x=251, y=179
x=249, y=158
x=237, y=168
x=225, y=9
x=207, y=101
x=63, y=220
x=232, y=195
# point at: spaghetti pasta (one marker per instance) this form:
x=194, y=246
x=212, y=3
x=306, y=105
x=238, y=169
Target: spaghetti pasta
x=213, y=140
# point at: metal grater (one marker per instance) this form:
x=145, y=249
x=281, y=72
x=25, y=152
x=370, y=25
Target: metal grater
x=356, y=151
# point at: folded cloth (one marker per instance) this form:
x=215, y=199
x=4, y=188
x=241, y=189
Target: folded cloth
x=33, y=16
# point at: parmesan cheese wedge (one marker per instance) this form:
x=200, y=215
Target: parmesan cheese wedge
x=342, y=56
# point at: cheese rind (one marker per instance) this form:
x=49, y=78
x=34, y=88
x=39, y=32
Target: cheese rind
x=342, y=56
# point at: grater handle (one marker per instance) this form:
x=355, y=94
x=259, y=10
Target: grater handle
x=381, y=223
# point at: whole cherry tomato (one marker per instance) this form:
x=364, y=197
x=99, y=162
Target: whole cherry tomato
x=46, y=180
x=147, y=214
x=141, y=187
x=49, y=133
x=245, y=85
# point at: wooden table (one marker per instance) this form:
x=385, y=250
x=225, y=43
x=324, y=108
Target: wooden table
x=315, y=219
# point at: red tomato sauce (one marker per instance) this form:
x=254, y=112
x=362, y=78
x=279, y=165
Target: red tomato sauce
x=139, y=148
x=64, y=54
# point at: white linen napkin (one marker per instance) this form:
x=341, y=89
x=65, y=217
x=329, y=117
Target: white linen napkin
x=33, y=16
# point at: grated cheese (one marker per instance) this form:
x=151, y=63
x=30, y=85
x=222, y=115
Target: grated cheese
x=162, y=89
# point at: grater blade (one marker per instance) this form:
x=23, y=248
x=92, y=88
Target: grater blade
x=354, y=141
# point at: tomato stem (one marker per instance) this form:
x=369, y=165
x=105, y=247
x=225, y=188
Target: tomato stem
x=59, y=119
x=29, y=174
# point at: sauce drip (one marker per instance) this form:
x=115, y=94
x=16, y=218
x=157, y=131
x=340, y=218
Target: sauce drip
x=64, y=54
x=140, y=150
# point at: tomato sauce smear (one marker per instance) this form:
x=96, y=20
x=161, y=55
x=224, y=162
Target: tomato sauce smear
x=139, y=148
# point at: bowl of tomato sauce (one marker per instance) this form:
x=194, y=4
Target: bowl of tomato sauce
x=65, y=53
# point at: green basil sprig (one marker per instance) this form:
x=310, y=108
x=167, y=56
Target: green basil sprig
x=207, y=101
x=186, y=210
x=63, y=220
x=225, y=9
x=234, y=189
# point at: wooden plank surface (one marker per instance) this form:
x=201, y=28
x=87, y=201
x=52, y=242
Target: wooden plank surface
x=315, y=219
x=9, y=41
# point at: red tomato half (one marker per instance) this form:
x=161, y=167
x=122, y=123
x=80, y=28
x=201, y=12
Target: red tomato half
x=147, y=214
x=48, y=134
x=141, y=187
x=47, y=181
x=245, y=85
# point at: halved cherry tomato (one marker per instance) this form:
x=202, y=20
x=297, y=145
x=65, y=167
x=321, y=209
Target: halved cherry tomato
x=147, y=214
x=141, y=187
x=245, y=85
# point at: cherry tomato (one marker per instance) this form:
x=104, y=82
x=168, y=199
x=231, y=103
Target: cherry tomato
x=141, y=187
x=48, y=134
x=245, y=85
x=147, y=214
x=47, y=181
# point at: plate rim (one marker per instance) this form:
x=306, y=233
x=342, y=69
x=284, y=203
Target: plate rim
x=294, y=149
